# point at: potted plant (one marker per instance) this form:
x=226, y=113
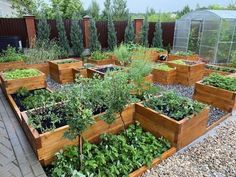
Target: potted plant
x=31, y=79
x=11, y=59
x=61, y=70
x=178, y=119
x=100, y=58
x=183, y=55
x=187, y=72
x=224, y=70
x=164, y=74
x=217, y=90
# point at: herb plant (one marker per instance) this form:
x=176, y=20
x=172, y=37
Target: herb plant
x=218, y=80
x=67, y=61
x=11, y=55
x=179, y=62
x=122, y=54
x=221, y=68
x=115, y=155
x=174, y=106
x=181, y=53
x=163, y=67
x=20, y=73
x=98, y=55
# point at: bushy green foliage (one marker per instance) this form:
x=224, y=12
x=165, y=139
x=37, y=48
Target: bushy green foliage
x=129, y=31
x=66, y=61
x=98, y=55
x=61, y=32
x=144, y=32
x=122, y=54
x=221, y=68
x=112, y=40
x=11, y=55
x=76, y=36
x=179, y=62
x=157, y=39
x=93, y=39
x=20, y=73
x=107, y=9
x=94, y=10
x=174, y=106
x=218, y=80
x=43, y=29
x=120, y=10
x=181, y=53
x=233, y=59
x=163, y=67
x=132, y=149
x=44, y=51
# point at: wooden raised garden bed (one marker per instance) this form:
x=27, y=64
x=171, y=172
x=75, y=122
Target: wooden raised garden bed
x=218, y=69
x=11, y=65
x=187, y=73
x=221, y=98
x=43, y=67
x=45, y=145
x=61, y=70
x=179, y=133
x=101, y=62
x=30, y=83
x=164, y=76
x=172, y=57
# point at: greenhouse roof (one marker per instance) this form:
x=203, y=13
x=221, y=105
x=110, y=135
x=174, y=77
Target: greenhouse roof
x=224, y=13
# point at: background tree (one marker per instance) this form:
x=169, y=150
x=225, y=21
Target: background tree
x=61, y=33
x=120, y=10
x=157, y=39
x=129, y=31
x=144, y=32
x=43, y=30
x=185, y=10
x=93, y=40
x=107, y=10
x=112, y=40
x=76, y=36
x=94, y=9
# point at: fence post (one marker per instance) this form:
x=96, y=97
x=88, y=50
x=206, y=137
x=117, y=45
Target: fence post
x=138, y=23
x=30, y=27
x=86, y=23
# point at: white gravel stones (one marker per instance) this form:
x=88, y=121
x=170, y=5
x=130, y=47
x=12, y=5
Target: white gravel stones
x=215, y=156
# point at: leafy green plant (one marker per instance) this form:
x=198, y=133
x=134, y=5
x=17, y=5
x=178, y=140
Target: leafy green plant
x=66, y=61
x=93, y=38
x=122, y=54
x=221, y=68
x=181, y=53
x=98, y=55
x=42, y=51
x=115, y=155
x=163, y=67
x=129, y=31
x=233, y=59
x=157, y=39
x=112, y=39
x=43, y=28
x=144, y=32
x=179, y=62
x=174, y=106
x=11, y=55
x=218, y=80
x=20, y=73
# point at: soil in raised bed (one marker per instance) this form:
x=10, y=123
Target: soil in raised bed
x=106, y=69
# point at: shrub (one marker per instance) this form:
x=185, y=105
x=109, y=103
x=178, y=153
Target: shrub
x=129, y=31
x=43, y=29
x=112, y=40
x=122, y=54
x=144, y=32
x=93, y=39
x=98, y=55
x=20, y=73
x=157, y=39
x=11, y=55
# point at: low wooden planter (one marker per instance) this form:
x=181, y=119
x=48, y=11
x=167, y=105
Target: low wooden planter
x=81, y=71
x=223, y=99
x=43, y=67
x=62, y=73
x=179, y=133
x=172, y=57
x=209, y=71
x=101, y=62
x=188, y=74
x=11, y=65
x=164, y=77
x=45, y=145
x=30, y=83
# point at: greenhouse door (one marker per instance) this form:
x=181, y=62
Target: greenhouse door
x=195, y=36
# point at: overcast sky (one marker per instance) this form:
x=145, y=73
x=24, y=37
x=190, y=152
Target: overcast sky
x=162, y=5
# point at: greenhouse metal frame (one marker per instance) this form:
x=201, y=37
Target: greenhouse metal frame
x=209, y=33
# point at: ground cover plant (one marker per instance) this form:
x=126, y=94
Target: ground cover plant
x=179, y=62
x=218, y=80
x=98, y=55
x=181, y=53
x=115, y=155
x=11, y=55
x=221, y=68
x=157, y=49
x=66, y=61
x=174, y=106
x=20, y=73
x=163, y=67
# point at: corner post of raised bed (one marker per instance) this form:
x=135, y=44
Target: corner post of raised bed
x=138, y=23
x=30, y=27
x=86, y=24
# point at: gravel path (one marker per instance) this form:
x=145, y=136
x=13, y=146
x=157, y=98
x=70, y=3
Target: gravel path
x=215, y=156
x=53, y=85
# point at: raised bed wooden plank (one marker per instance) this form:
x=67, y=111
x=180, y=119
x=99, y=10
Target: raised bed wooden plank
x=164, y=77
x=101, y=62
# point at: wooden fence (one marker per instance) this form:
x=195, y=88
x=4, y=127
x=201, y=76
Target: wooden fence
x=17, y=27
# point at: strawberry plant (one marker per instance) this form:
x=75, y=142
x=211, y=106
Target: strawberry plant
x=218, y=80
x=20, y=73
x=115, y=155
x=174, y=106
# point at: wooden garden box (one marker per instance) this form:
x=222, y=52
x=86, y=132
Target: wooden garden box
x=62, y=72
x=81, y=71
x=43, y=67
x=101, y=62
x=30, y=83
x=11, y=65
x=221, y=98
x=208, y=71
x=172, y=57
x=45, y=145
x=188, y=74
x=164, y=77
x=179, y=133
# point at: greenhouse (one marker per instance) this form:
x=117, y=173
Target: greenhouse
x=209, y=33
